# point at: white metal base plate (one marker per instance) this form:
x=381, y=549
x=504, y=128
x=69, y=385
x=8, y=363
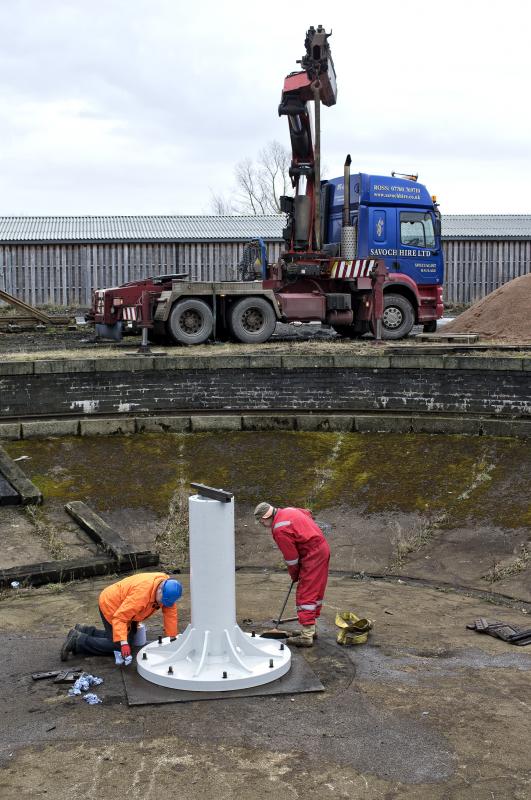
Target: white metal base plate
x=188, y=663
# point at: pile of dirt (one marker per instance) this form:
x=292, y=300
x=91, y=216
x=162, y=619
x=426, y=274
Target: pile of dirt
x=504, y=314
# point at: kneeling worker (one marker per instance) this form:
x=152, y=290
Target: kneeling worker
x=307, y=555
x=122, y=606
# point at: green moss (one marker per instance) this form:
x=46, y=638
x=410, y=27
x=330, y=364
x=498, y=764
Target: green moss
x=461, y=477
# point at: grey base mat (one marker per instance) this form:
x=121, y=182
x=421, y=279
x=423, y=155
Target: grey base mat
x=300, y=678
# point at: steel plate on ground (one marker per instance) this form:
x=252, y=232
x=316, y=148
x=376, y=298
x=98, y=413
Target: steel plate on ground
x=301, y=678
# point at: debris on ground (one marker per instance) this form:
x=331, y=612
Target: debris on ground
x=502, y=315
x=92, y=699
x=353, y=629
x=513, y=634
x=83, y=684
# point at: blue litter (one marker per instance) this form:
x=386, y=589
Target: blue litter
x=83, y=684
x=92, y=699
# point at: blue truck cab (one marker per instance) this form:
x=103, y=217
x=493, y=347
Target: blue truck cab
x=396, y=219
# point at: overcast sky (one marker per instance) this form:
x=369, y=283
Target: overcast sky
x=145, y=106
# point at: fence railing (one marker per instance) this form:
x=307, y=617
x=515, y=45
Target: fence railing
x=66, y=274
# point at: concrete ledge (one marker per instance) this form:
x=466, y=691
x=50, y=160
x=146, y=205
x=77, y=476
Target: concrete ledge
x=167, y=363
x=64, y=365
x=458, y=425
x=363, y=423
x=131, y=363
x=10, y=431
x=483, y=364
x=105, y=427
x=362, y=362
x=372, y=423
x=265, y=362
x=39, y=429
x=17, y=367
x=417, y=362
x=305, y=362
x=268, y=423
x=162, y=424
x=506, y=427
x=216, y=423
x=324, y=422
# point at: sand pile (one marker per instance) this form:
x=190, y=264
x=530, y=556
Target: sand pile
x=504, y=314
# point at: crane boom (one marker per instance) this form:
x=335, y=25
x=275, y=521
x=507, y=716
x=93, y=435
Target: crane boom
x=316, y=81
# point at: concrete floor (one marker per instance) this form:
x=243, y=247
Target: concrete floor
x=425, y=710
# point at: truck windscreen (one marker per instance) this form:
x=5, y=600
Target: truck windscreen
x=417, y=229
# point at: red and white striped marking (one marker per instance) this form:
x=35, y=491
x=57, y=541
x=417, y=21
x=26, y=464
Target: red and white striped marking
x=129, y=313
x=361, y=268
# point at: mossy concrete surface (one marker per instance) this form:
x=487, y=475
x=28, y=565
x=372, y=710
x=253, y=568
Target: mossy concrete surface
x=454, y=509
x=425, y=710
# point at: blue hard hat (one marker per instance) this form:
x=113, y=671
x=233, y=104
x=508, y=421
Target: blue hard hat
x=171, y=592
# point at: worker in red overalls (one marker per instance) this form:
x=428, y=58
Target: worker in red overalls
x=307, y=555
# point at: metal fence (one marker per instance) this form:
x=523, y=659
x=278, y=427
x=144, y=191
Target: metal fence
x=66, y=274
x=474, y=268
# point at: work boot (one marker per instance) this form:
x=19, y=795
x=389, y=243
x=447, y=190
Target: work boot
x=69, y=645
x=303, y=638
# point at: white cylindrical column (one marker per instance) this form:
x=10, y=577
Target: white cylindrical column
x=213, y=653
x=212, y=566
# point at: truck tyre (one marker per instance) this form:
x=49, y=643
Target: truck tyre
x=430, y=327
x=190, y=321
x=398, y=317
x=252, y=320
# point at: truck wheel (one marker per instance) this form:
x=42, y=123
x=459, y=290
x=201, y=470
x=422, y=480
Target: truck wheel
x=430, y=327
x=398, y=317
x=190, y=322
x=252, y=320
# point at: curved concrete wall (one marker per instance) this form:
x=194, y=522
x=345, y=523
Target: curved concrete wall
x=138, y=386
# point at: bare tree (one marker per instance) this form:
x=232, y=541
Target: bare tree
x=221, y=206
x=259, y=183
x=274, y=162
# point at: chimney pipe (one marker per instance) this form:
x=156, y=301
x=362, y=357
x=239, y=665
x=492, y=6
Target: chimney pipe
x=346, y=189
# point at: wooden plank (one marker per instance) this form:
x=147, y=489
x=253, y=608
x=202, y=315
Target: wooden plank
x=29, y=493
x=447, y=337
x=30, y=310
x=73, y=569
x=8, y=495
x=98, y=530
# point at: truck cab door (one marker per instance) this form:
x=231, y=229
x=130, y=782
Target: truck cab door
x=381, y=231
x=419, y=246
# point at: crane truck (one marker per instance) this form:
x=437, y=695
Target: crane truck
x=361, y=252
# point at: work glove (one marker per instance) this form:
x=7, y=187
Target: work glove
x=123, y=655
x=126, y=653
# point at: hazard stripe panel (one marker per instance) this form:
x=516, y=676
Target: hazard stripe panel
x=361, y=268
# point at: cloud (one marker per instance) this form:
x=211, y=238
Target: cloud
x=140, y=106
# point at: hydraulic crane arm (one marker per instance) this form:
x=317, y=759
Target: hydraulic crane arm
x=317, y=82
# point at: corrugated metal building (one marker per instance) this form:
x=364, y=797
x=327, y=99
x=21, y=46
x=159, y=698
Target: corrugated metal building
x=483, y=251
x=60, y=260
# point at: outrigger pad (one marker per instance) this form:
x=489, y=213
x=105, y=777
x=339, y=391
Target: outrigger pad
x=513, y=634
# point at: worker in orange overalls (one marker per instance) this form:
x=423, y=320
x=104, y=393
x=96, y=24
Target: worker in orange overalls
x=122, y=606
x=307, y=555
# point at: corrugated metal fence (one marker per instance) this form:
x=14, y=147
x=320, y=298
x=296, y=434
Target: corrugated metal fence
x=66, y=274
x=475, y=268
